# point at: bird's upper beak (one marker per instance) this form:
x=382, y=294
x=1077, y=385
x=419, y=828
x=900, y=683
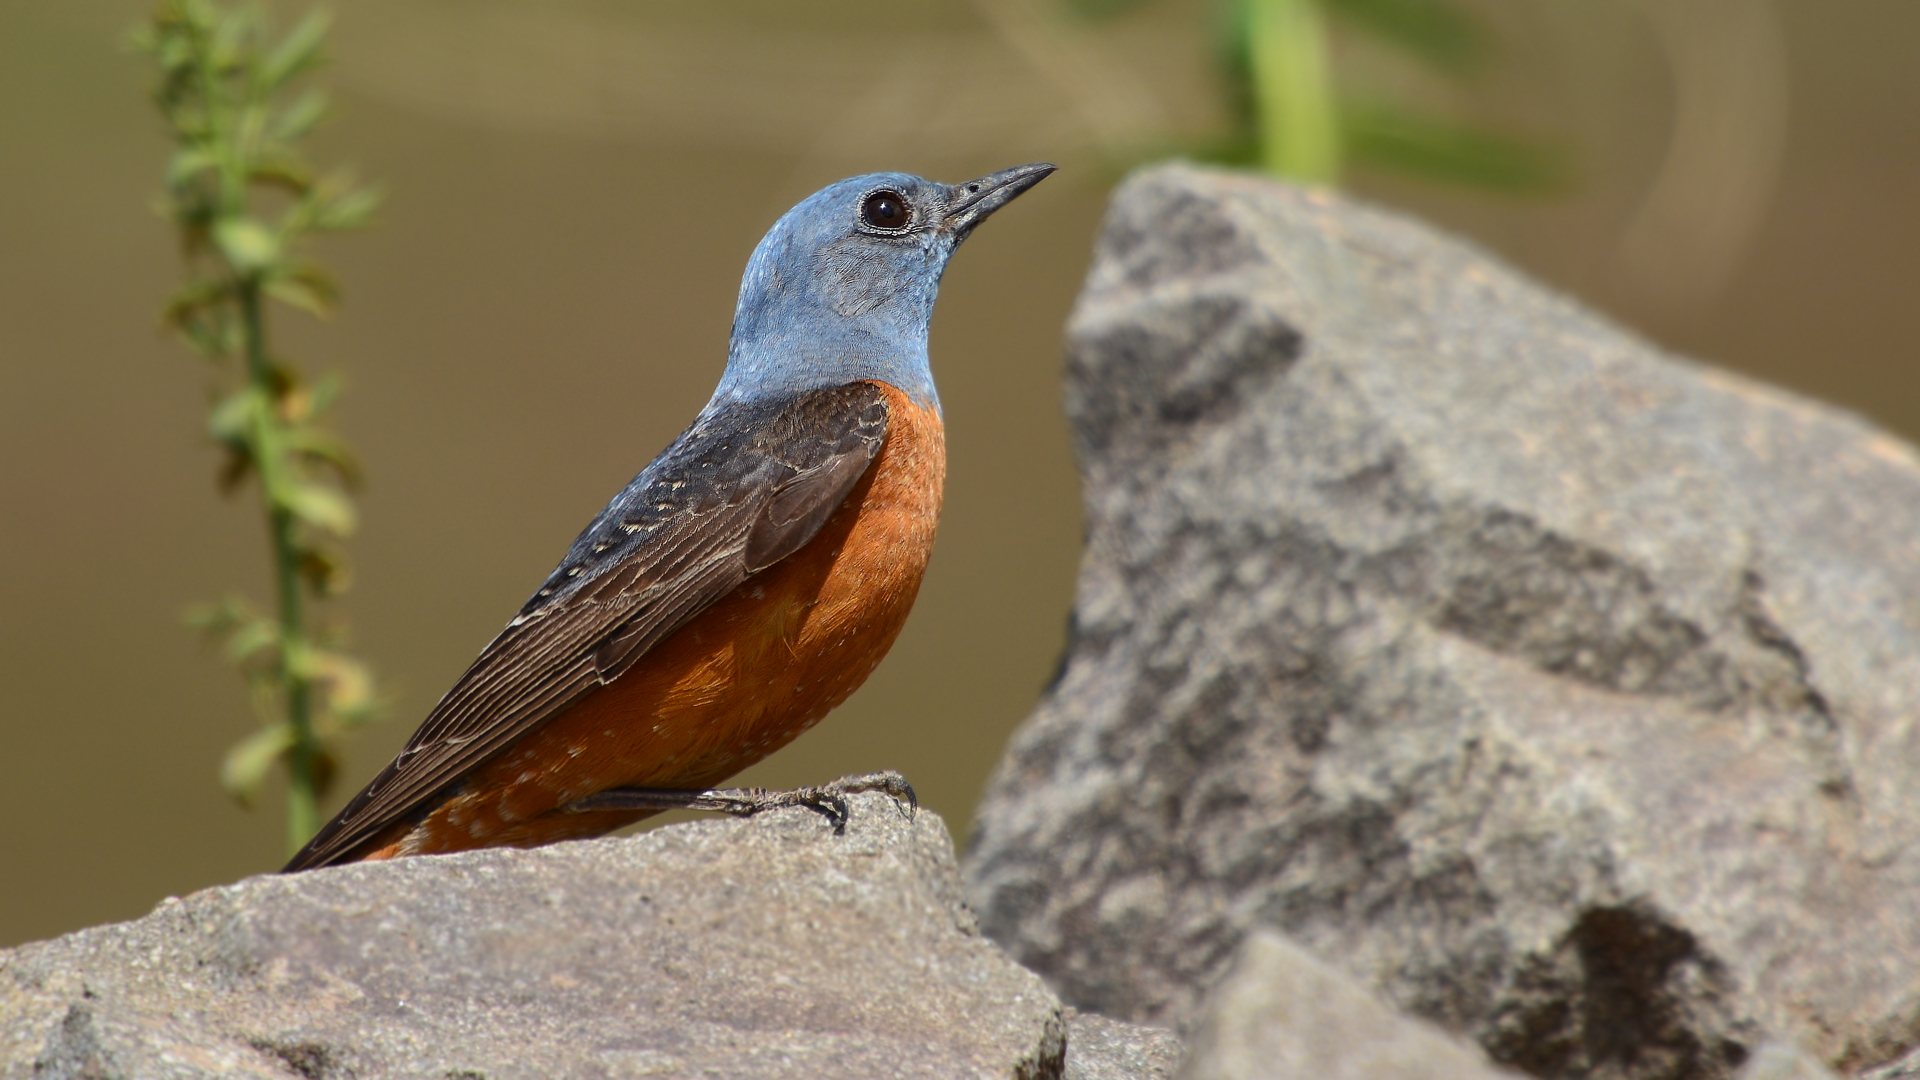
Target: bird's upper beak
x=974, y=200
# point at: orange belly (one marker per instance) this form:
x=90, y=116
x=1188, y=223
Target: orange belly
x=741, y=680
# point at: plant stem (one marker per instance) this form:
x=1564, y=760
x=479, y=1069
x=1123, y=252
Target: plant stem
x=1293, y=91
x=303, y=804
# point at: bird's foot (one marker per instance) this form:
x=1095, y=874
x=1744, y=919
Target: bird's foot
x=828, y=800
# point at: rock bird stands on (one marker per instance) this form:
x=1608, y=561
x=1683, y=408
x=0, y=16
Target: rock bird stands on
x=742, y=585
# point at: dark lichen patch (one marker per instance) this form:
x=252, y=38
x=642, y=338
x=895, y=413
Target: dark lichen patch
x=312, y=1060
x=1622, y=996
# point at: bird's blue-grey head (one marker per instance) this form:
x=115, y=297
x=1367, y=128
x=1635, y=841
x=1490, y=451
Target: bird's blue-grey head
x=841, y=288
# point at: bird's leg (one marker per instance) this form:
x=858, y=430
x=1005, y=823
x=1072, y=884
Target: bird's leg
x=828, y=800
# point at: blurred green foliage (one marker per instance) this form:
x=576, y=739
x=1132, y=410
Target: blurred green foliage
x=243, y=198
x=1297, y=121
x=1294, y=116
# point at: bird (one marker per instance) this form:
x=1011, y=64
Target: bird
x=745, y=583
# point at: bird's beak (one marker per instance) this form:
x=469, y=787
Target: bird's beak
x=972, y=201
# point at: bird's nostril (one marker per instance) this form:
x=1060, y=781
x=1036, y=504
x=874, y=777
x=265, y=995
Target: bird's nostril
x=973, y=189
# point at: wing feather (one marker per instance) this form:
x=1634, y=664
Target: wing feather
x=745, y=486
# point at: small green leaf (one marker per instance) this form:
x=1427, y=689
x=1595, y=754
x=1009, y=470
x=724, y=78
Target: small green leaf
x=187, y=164
x=249, y=761
x=324, y=447
x=302, y=116
x=326, y=571
x=192, y=302
x=299, y=51
x=305, y=286
x=210, y=333
x=349, y=685
x=248, y=246
x=233, y=418
x=321, y=507
x=252, y=637
x=349, y=209
x=217, y=617
x=283, y=379
x=283, y=171
x=231, y=30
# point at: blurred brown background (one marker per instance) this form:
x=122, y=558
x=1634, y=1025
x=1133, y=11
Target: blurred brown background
x=574, y=188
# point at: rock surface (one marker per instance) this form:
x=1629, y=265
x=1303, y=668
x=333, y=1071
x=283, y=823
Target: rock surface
x=1099, y=1048
x=1904, y=1068
x=1280, y=1014
x=1561, y=691
x=752, y=949
x=1784, y=1061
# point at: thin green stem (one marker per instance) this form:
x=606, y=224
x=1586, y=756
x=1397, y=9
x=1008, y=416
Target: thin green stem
x=222, y=80
x=303, y=803
x=1293, y=90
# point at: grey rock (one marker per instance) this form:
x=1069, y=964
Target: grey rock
x=1564, y=692
x=1100, y=1048
x=1906, y=1067
x=762, y=948
x=1280, y=1014
x=1784, y=1061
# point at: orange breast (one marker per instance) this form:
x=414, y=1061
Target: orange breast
x=740, y=681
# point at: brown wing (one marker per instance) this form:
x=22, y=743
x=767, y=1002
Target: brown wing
x=745, y=486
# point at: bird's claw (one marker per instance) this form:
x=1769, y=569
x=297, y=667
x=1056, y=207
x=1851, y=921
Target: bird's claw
x=829, y=800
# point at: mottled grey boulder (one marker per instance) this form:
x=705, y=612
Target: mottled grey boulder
x=751, y=949
x=1280, y=1014
x=1101, y=1048
x=1564, y=692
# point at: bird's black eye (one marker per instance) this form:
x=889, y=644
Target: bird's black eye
x=886, y=210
